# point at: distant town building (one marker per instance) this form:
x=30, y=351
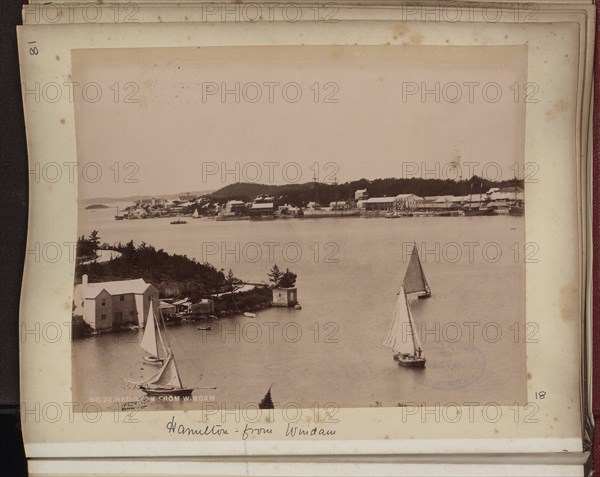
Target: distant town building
x=205, y=307
x=407, y=201
x=288, y=209
x=428, y=202
x=167, y=309
x=360, y=194
x=105, y=305
x=151, y=202
x=375, y=204
x=507, y=194
x=183, y=306
x=285, y=296
x=339, y=205
x=262, y=205
x=512, y=190
x=235, y=206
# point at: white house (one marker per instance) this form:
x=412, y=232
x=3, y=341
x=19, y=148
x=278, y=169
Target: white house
x=234, y=206
x=105, y=305
x=407, y=201
x=360, y=194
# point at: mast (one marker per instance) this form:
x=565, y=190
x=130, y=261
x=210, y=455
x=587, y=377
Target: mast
x=167, y=348
x=162, y=343
x=410, y=323
x=170, y=351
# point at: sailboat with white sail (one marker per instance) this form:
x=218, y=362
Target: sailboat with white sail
x=150, y=340
x=402, y=336
x=166, y=381
x=195, y=215
x=414, y=279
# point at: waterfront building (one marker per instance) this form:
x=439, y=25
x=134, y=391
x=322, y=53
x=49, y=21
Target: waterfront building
x=235, y=206
x=377, y=204
x=167, y=309
x=205, y=307
x=106, y=305
x=262, y=205
x=285, y=296
x=339, y=205
x=407, y=201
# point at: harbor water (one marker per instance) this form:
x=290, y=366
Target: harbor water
x=473, y=328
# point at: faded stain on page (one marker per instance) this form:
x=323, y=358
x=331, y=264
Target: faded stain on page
x=559, y=107
x=568, y=302
x=399, y=30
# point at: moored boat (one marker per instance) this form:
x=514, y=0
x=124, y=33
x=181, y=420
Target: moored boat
x=478, y=211
x=403, y=337
x=166, y=381
x=516, y=209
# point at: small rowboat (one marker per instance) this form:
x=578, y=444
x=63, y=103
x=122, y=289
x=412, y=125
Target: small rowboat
x=152, y=359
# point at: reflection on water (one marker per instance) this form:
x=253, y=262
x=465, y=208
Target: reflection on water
x=349, y=271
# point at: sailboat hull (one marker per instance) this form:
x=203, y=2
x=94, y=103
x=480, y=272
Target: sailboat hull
x=426, y=294
x=516, y=211
x=166, y=391
x=410, y=361
x=478, y=212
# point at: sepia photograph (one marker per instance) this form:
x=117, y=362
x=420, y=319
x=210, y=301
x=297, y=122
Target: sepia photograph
x=306, y=226
x=354, y=244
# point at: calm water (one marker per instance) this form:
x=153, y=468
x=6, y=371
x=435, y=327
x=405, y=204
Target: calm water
x=349, y=271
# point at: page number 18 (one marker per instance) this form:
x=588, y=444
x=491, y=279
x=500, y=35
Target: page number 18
x=33, y=50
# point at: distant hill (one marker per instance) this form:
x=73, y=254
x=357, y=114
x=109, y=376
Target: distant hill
x=300, y=194
x=134, y=198
x=97, y=206
x=249, y=190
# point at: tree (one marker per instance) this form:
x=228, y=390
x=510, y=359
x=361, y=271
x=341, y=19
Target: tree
x=94, y=239
x=232, y=282
x=275, y=275
x=288, y=279
x=85, y=248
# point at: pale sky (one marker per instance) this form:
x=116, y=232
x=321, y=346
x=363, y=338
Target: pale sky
x=183, y=135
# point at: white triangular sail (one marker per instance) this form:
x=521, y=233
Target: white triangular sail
x=402, y=335
x=414, y=279
x=150, y=338
x=195, y=215
x=167, y=375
